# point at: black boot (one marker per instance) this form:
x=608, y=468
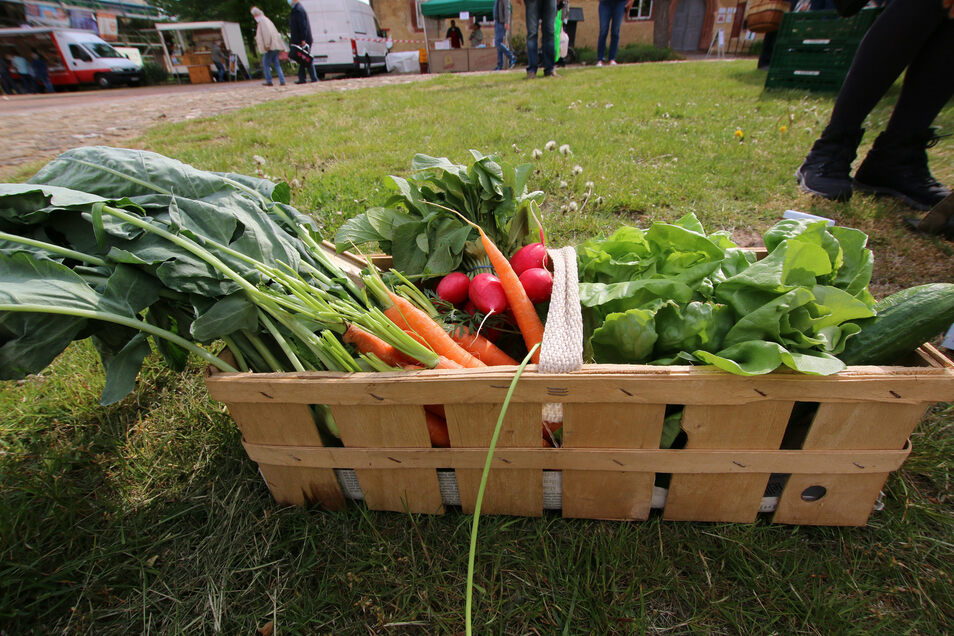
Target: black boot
x=826, y=170
x=897, y=166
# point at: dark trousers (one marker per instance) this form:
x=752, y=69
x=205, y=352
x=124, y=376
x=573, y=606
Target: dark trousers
x=915, y=35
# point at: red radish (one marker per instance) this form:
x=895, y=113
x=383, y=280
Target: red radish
x=538, y=283
x=454, y=287
x=488, y=294
x=528, y=257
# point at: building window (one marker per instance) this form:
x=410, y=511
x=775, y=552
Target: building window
x=418, y=16
x=641, y=10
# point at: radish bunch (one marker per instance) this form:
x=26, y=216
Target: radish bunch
x=486, y=293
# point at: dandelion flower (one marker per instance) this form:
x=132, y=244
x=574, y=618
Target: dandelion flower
x=551, y=146
x=783, y=128
x=739, y=134
x=537, y=153
x=572, y=206
x=565, y=149
x=260, y=160
x=577, y=169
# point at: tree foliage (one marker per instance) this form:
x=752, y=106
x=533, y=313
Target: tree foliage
x=229, y=10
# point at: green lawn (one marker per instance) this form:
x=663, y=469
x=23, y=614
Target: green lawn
x=147, y=517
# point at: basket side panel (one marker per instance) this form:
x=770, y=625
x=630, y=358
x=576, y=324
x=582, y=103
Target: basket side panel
x=848, y=499
x=509, y=491
x=724, y=497
x=398, y=489
x=601, y=494
x=291, y=425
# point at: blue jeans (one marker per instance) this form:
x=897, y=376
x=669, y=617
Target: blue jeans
x=610, y=11
x=219, y=71
x=537, y=11
x=269, y=60
x=500, y=34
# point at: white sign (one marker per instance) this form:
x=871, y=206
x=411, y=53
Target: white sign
x=465, y=15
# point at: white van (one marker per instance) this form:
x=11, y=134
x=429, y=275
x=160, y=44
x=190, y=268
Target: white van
x=347, y=37
x=73, y=56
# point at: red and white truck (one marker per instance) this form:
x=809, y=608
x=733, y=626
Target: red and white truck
x=73, y=57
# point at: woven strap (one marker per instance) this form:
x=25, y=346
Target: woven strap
x=562, y=348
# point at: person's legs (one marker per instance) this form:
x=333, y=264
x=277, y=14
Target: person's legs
x=605, y=11
x=533, y=28
x=891, y=44
x=897, y=164
x=266, y=65
x=548, y=39
x=220, y=71
x=276, y=61
x=302, y=73
x=619, y=9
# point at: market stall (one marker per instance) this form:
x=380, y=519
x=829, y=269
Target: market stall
x=463, y=59
x=187, y=47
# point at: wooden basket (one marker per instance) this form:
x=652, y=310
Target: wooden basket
x=765, y=16
x=852, y=433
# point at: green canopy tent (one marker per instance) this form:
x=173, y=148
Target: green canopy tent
x=452, y=9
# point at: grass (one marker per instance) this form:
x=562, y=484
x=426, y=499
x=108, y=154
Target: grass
x=147, y=517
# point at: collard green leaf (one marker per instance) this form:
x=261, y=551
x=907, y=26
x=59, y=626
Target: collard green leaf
x=29, y=342
x=122, y=369
x=230, y=314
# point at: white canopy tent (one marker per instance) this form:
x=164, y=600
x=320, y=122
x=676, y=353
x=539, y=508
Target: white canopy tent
x=230, y=33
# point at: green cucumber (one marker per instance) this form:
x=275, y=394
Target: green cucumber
x=905, y=321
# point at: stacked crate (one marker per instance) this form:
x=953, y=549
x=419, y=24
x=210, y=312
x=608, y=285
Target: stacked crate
x=814, y=49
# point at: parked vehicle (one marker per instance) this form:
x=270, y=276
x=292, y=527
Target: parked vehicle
x=73, y=56
x=347, y=37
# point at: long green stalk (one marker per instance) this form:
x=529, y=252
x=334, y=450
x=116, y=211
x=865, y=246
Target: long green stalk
x=55, y=249
x=126, y=322
x=471, y=555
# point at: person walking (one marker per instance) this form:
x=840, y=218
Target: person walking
x=268, y=43
x=917, y=35
x=301, y=36
x=25, y=71
x=611, y=14
x=501, y=26
x=538, y=11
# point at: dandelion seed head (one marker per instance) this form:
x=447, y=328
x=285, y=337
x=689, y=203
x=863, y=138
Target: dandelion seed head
x=588, y=185
x=577, y=169
x=537, y=153
x=565, y=149
x=551, y=145
x=259, y=159
x=564, y=184
x=572, y=206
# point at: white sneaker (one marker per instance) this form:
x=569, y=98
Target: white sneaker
x=612, y=62
x=599, y=63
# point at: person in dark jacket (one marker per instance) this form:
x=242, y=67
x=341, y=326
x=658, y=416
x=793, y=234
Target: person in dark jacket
x=454, y=35
x=41, y=72
x=301, y=36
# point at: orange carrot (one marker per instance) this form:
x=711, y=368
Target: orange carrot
x=405, y=315
x=446, y=363
x=437, y=429
x=366, y=342
x=529, y=323
x=485, y=351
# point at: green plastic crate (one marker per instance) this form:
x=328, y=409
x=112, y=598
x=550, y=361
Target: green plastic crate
x=826, y=80
x=814, y=49
x=820, y=26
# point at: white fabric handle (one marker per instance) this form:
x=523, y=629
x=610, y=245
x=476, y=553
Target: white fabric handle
x=562, y=347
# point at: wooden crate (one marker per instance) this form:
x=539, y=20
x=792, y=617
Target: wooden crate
x=851, y=431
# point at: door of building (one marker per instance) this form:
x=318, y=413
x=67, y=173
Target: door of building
x=687, y=24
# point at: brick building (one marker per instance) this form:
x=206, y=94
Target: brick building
x=693, y=24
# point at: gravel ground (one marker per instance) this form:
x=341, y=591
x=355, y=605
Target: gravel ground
x=39, y=127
